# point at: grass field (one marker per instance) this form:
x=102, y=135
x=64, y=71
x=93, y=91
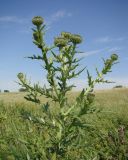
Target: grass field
x=107, y=138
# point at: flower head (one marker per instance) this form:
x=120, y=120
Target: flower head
x=37, y=20
x=66, y=35
x=60, y=42
x=20, y=75
x=76, y=39
x=114, y=57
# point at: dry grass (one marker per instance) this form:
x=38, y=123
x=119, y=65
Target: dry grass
x=112, y=106
x=114, y=100
x=112, y=96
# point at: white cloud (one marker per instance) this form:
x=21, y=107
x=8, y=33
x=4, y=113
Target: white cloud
x=12, y=19
x=92, y=52
x=103, y=39
x=58, y=15
x=7, y=20
x=121, y=39
x=108, y=39
x=98, y=51
x=114, y=49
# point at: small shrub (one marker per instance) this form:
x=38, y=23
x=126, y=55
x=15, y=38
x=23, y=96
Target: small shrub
x=22, y=90
x=118, y=86
x=6, y=91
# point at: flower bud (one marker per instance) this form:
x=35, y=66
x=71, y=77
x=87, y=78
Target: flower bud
x=108, y=62
x=76, y=39
x=37, y=20
x=114, y=57
x=66, y=35
x=60, y=42
x=90, y=97
x=20, y=75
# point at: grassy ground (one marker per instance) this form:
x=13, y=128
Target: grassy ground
x=115, y=99
x=20, y=138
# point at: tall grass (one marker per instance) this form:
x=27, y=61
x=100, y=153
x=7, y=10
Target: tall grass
x=106, y=137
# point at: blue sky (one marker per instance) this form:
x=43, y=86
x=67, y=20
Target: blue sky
x=102, y=23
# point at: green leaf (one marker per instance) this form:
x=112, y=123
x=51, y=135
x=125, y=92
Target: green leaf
x=53, y=156
x=28, y=157
x=89, y=78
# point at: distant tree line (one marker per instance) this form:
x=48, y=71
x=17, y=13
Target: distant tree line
x=118, y=86
x=5, y=91
x=22, y=90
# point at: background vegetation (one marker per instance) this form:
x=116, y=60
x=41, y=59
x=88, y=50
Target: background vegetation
x=21, y=132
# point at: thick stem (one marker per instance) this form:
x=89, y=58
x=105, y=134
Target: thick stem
x=65, y=70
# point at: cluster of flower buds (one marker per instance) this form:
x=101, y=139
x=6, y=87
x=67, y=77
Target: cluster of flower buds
x=67, y=37
x=74, y=38
x=109, y=62
x=37, y=21
x=60, y=42
x=113, y=58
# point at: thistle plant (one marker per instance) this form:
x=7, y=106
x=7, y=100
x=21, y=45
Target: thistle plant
x=65, y=127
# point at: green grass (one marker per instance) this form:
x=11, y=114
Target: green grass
x=22, y=138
